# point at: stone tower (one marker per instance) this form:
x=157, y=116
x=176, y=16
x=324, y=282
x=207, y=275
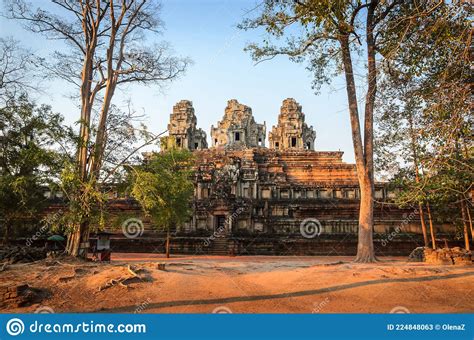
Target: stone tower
x=238, y=128
x=182, y=128
x=292, y=132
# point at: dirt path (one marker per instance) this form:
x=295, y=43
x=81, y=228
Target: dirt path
x=248, y=285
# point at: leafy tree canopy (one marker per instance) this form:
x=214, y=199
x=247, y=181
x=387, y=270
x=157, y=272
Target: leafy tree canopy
x=31, y=140
x=164, y=188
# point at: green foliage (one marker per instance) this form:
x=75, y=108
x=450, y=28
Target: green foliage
x=84, y=200
x=164, y=188
x=424, y=117
x=29, y=158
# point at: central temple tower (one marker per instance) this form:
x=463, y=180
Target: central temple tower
x=292, y=132
x=238, y=128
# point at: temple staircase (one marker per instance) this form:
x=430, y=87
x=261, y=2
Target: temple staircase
x=219, y=246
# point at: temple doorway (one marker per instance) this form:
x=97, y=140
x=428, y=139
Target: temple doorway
x=220, y=225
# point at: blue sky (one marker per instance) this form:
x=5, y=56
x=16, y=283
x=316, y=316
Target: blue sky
x=205, y=31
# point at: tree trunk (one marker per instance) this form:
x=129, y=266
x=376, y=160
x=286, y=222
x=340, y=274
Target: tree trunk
x=80, y=235
x=101, y=139
x=423, y=225
x=72, y=246
x=78, y=241
x=365, y=247
x=168, y=244
x=430, y=220
x=464, y=222
x=420, y=206
x=68, y=242
x=6, y=234
x=470, y=221
x=417, y=177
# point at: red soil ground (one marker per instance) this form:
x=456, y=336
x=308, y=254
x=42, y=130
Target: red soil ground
x=247, y=284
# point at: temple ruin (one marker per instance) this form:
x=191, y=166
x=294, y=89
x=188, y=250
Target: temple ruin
x=182, y=129
x=285, y=199
x=292, y=132
x=238, y=129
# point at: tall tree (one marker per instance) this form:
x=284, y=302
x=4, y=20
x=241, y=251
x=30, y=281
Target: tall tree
x=106, y=49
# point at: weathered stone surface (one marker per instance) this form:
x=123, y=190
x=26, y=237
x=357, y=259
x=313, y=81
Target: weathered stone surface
x=438, y=257
x=417, y=255
x=292, y=132
x=16, y=295
x=238, y=129
x=183, y=131
x=461, y=256
x=445, y=256
x=265, y=191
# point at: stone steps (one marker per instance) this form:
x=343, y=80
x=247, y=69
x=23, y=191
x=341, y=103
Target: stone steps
x=219, y=246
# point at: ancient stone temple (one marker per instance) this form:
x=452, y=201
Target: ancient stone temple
x=238, y=128
x=182, y=129
x=292, y=132
x=284, y=200
x=260, y=191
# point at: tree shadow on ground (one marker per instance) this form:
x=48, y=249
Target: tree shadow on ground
x=223, y=301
